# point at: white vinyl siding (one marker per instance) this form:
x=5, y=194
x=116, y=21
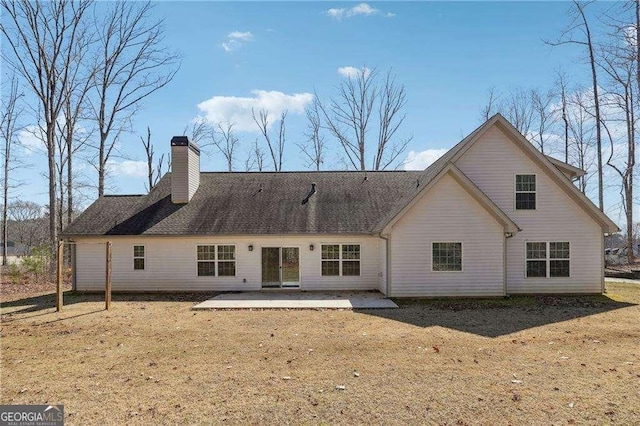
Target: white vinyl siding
x=447, y=213
x=491, y=164
x=173, y=264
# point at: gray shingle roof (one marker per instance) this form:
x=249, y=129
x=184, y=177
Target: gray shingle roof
x=255, y=203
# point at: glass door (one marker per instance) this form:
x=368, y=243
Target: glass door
x=290, y=267
x=280, y=267
x=270, y=267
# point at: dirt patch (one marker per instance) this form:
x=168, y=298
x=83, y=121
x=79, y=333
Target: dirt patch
x=152, y=359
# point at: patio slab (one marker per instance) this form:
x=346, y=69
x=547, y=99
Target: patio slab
x=298, y=300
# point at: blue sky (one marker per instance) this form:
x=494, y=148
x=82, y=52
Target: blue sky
x=274, y=54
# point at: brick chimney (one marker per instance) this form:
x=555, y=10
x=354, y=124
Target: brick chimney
x=185, y=169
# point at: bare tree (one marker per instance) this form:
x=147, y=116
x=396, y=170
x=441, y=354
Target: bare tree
x=255, y=159
x=10, y=113
x=131, y=64
x=73, y=111
x=543, y=118
x=154, y=171
x=517, y=106
x=580, y=130
x=225, y=139
x=41, y=38
x=490, y=108
x=348, y=115
x=313, y=149
x=619, y=64
x=26, y=218
x=580, y=24
x=276, y=148
x=200, y=129
x=561, y=87
x=362, y=104
x=391, y=101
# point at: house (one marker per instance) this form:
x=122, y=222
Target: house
x=15, y=252
x=491, y=217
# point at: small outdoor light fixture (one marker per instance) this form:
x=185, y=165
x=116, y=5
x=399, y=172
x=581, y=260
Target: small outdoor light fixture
x=311, y=247
x=250, y=247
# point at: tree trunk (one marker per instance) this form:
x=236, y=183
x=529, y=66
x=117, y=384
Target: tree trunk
x=5, y=201
x=596, y=104
x=53, y=210
x=101, y=165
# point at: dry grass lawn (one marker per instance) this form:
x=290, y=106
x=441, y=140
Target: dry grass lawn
x=545, y=360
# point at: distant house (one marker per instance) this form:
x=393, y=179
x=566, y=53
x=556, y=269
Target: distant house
x=491, y=217
x=15, y=252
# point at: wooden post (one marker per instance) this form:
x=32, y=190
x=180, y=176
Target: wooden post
x=59, y=276
x=107, y=290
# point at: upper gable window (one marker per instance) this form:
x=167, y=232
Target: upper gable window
x=525, y=192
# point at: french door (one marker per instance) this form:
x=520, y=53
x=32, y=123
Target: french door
x=280, y=267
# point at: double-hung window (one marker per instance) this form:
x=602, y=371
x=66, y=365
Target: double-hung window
x=340, y=260
x=548, y=259
x=216, y=260
x=138, y=258
x=446, y=257
x=525, y=192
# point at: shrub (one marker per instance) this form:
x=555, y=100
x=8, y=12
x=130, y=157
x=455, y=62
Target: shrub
x=36, y=264
x=14, y=272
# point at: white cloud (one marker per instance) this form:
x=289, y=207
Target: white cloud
x=352, y=72
x=421, y=160
x=362, y=9
x=129, y=168
x=234, y=109
x=236, y=40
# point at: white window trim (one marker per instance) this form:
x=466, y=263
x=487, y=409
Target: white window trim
x=524, y=192
x=547, y=259
x=461, y=256
x=340, y=259
x=144, y=258
x=216, y=260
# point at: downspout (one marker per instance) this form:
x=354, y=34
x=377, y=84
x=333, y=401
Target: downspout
x=387, y=240
x=603, y=290
x=507, y=235
x=74, y=275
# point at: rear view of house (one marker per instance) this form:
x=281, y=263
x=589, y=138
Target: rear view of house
x=492, y=217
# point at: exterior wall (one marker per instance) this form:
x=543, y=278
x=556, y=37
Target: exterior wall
x=447, y=213
x=185, y=173
x=492, y=163
x=171, y=263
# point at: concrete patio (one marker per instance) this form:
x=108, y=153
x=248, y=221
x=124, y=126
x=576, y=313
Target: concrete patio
x=297, y=300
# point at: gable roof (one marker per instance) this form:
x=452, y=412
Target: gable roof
x=229, y=203
x=450, y=169
x=543, y=161
x=573, y=172
x=244, y=203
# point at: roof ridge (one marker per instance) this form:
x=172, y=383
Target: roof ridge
x=307, y=171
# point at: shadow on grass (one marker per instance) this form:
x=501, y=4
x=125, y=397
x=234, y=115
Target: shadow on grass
x=496, y=317
x=48, y=301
